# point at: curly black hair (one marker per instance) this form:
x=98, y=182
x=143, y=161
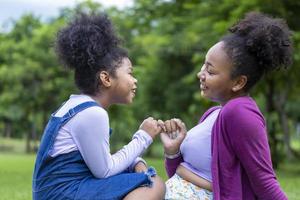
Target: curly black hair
x=88, y=44
x=256, y=45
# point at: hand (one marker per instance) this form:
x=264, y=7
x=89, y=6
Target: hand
x=151, y=126
x=173, y=135
x=140, y=167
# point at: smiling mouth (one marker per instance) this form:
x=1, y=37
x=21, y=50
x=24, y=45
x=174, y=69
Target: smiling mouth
x=203, y=87
x=134, y=91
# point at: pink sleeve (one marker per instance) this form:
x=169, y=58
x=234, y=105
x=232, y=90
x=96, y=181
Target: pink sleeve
x=172, y=164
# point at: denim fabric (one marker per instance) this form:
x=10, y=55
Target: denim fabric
x=67, y=177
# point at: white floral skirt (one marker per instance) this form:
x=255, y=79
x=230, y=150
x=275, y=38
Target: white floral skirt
x=179, y=189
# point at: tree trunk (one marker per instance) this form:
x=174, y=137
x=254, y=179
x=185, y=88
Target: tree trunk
x=31, y=136
x=286, y=135
x=7, y=128
x=270, y=108
x=34, y=137
x=28, y=139
x=280, y=108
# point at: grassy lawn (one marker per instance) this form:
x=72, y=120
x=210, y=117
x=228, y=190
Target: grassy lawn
x=16, y=171
x=15, y=176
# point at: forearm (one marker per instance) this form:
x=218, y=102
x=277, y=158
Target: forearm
x=172, y=164
x=127, y=156
x=102, y=164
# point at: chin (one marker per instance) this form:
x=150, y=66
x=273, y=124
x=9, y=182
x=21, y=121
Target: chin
x=204, y=95
x=129, y=101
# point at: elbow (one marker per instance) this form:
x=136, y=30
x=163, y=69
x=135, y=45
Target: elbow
x=101, y=174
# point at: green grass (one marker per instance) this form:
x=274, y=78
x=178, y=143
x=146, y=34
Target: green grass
x=16, y=172
x=289, y=179
x=16, y=176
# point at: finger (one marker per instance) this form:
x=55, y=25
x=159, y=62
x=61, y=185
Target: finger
x=173, y=126
x=182, y=130
x=159, y=128
x=168, y=126
x=149, y=118
x=161, y=124
x=180, y=125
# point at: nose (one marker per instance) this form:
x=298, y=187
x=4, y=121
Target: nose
x=201, y=74
x=135, y=80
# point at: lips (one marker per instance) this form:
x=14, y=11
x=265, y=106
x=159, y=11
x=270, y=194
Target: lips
x=202, y=86
x=133, y=91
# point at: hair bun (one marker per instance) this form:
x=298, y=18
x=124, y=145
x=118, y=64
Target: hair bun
x=85, y=41
x=267, y=39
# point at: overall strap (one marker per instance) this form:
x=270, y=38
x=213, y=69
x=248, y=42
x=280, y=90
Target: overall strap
x=73, y=111
x=52, y=131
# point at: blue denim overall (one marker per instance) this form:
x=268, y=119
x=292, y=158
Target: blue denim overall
x=67, y=176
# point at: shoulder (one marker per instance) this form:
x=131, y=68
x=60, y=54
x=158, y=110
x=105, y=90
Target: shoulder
x=93, y=113
x=241, y=113
x=239, y=107
x=89, y=120
x=90, y=112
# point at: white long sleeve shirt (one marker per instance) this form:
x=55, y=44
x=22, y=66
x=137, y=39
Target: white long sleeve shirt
x=88, y=132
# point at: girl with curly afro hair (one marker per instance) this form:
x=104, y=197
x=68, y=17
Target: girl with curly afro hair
x=74, y=159
x=227, y=155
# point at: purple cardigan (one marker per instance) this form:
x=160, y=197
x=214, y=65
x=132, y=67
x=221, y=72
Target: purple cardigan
x=241, y=161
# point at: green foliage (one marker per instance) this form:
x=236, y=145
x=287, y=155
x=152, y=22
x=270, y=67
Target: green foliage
x=167, y=41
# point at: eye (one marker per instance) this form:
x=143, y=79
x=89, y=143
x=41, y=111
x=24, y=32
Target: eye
x=209, y=71
x=130, y=73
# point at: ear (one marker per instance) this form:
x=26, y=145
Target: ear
x=105, y=78
x=240, y=83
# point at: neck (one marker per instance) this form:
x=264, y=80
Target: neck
x=102, y=99
x=241, y=94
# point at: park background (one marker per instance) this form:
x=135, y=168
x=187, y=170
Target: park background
x=167, y=41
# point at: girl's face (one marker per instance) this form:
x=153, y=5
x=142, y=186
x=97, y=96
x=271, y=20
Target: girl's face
x=215, y=81
x=124, y=84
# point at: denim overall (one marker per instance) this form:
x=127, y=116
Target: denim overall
x=67, y=177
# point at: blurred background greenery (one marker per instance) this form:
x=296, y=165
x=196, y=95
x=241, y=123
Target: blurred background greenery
x=167, y=41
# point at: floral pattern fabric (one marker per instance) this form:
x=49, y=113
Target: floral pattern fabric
x=180, y=189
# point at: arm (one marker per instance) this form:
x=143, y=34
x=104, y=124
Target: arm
x=249, y=141
x=172, y=164
x=172, y=145
x=193, y=178
x=91, y=135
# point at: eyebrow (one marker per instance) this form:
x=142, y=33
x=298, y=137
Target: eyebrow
x=208, y=63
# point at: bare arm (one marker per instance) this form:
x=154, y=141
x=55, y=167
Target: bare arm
x=193, y=178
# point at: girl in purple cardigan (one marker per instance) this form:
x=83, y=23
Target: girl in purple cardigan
x=239, y=164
